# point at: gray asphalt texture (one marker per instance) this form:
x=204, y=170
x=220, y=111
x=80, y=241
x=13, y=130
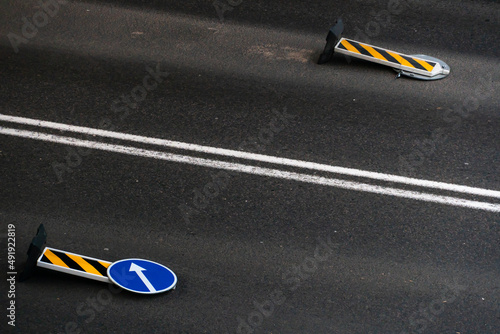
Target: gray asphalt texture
x=257, y=255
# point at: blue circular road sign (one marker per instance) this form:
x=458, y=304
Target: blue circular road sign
x=142, y=276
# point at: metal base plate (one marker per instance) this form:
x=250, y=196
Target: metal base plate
x=423, y=77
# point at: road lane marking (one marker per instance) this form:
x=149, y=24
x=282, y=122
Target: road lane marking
x=254, y=157
x=254, y=170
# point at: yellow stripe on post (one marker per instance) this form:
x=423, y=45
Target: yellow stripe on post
x=425, y=64
x=373, y=52
x=349, y=46
x=54, y=259
x=400, y=59
x=84, y=264
x=104, y=264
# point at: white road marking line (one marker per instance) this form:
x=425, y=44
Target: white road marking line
x=255, y=157
x=350, y=185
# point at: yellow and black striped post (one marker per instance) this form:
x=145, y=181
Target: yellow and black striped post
x=393, y=59
x=74, y=264
x=417, y=66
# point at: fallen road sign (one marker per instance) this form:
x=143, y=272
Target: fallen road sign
x=415, y=66
x=141, y=276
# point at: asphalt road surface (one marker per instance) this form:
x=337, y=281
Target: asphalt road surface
x=288, y=197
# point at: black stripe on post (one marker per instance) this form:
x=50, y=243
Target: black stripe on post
x=414, y=63
x=99, y=267
x=360, y=49
x=69, y=262
x=428, y=62
x=386, y=55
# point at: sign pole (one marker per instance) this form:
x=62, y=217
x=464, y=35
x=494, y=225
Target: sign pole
x=414, y=66
x=135, y=275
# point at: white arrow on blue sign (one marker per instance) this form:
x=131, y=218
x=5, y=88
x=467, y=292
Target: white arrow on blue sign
x=142, y=276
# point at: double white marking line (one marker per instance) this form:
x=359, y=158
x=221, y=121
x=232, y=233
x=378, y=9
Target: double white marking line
x=255, y=170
